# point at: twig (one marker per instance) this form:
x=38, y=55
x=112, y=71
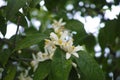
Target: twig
x=18, y=23
x=18, y=58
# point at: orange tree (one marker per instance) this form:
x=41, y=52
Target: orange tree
x=59, y=48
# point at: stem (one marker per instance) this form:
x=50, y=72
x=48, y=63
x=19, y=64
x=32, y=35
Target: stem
x=18, y=24
x=22, y=59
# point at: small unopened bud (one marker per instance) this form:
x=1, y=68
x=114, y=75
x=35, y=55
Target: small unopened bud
x=19, y=51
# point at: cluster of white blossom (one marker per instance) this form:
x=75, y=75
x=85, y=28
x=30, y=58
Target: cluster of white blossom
x=61, y=37
x=24, y=75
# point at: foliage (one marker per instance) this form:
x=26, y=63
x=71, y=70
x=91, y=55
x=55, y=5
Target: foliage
x=23, y=55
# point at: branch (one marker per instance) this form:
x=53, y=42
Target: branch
x=18, y=24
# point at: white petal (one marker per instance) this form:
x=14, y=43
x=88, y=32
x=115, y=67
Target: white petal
x=70, y=42
x=63, y=23
x=51, y=55
x=76, y=55
x=34, y=64
x=68, y=55
x=54, y=21
x=74, y=64
x=53, y=36
x=34, y=57
x=78, y=76
x=77, y=48
x=39, y=54
x=35, y=67
x=64, y=34
x=60, y=20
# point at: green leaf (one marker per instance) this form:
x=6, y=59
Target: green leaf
x=30, y=40
x=41, y=45
x=3, y=25
x=55, y=5
x=60, y=67
x=13, y=6
x=43, y=28
x=48, y=31
x=19, y=18
x=99, y=4
x=73, y=74
x=117, y=27
x=107, y=35
x=42, y=70
x=77, y=26
x=4, y=56
x=61, y=14
x=30, y=30
x=88, y=68
x=89, y=42
x=11, y=71
x=33, y=3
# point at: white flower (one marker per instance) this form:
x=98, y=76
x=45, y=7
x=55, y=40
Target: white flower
x=61, y=38
x=53, y=36
x=24, y=76
x=65, y=35
x=55, y=39
x=49, y=52
x=49, y=48
x=58, y=25
x=42, y=56
x=49, y=44
x=65, y=41
x=34, y=62
x=70, y=49
x=73, y=51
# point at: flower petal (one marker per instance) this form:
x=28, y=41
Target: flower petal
x=68, y=55
x=53, y=36
x=76, y=55
x=34, y=57
x=77, y=48
x=74, y=64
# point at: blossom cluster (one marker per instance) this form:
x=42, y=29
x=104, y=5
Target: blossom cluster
x=24, y=75
x=60, y=37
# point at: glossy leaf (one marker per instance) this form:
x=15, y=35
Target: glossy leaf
x=73, y=74
x=13, y=7
x=20, y=19
x=53, y=5
x=88, y=68
x=109, y=36
x=30, y=40
x=3, y=25
x=60, y=67
x=77, y=26
x=11, y=72
x=4, y=56
x=33, y=3
x=30, y=30
x=42, y=70
x=89, y=42
x=43, y=28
